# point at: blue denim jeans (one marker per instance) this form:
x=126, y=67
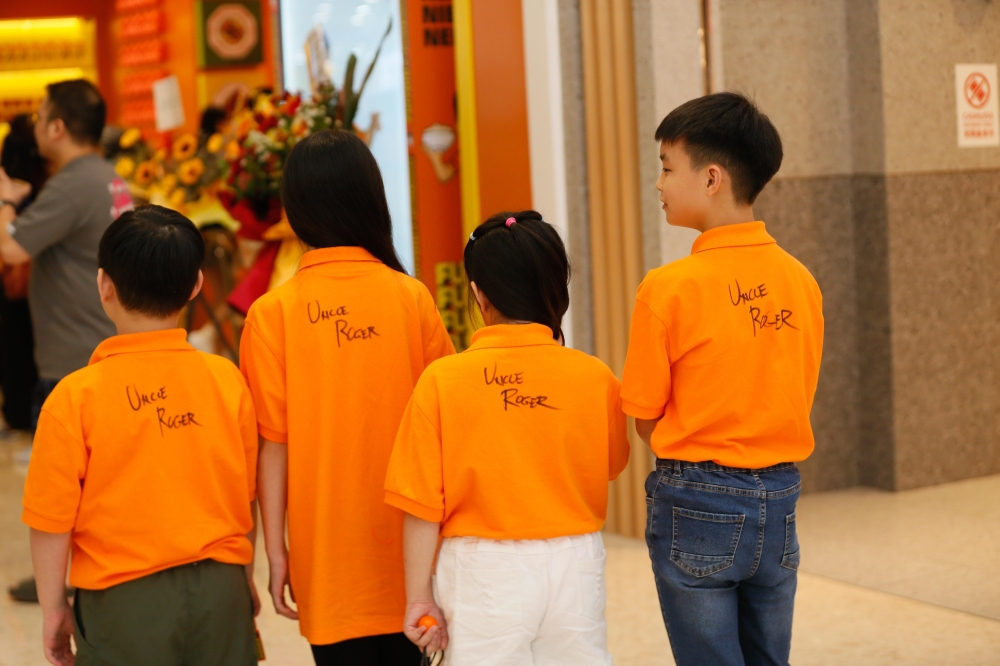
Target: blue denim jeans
x=725, y=555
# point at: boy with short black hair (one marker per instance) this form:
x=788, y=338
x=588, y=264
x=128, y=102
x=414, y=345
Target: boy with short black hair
x=144, y=463
x=723, y=360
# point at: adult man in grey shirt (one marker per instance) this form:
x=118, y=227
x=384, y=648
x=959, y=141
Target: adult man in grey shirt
x=61, y=231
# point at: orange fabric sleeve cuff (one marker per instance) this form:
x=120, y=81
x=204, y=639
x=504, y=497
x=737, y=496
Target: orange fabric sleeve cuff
x=272, y=435
x=414, y=508
x=44, y=524
x=640, y=412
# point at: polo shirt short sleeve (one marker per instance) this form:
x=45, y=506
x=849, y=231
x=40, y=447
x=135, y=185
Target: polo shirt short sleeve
x=725, y=351
x=331, y=358
x=148, y=456
x=515, y=438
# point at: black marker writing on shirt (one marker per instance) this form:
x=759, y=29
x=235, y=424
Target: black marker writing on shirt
x=776, y=321
x=502, y=379
x=753, y=294
x=137, y=400
x=511, y=396
x=345, y=332
x=174, y=422
x=321, y=314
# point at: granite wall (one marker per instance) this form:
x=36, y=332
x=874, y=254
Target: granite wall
x=898, y=224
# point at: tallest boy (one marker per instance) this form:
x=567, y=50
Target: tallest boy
x=722, y=366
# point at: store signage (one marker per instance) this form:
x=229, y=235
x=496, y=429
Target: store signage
x=976, y=100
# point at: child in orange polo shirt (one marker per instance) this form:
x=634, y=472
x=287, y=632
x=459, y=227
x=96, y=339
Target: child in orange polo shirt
x=722, y=366
x=332, y=357
x=506, y=451
x=144, y=463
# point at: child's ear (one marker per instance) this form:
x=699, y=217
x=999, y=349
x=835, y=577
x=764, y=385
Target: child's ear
x=484, y=303
x=105, y=287
x=714, y=181
x=197, y=286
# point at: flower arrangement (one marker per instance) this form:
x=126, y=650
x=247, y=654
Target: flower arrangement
x=172, y=175
x=267, y=130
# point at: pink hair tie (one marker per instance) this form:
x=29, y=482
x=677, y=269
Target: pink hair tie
x=510, y=222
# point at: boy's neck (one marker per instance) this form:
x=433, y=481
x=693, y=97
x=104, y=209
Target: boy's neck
x=128, y=323
x=716, y=219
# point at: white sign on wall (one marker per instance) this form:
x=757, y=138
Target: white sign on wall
x=167, y=104
x=976, y=98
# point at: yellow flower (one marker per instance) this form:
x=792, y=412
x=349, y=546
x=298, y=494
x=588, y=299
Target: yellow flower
x=177, y=198
x=264, y=106
x=145, y=173
x=160, y=155
x=189, y=172
x=233, y=151
x=168, y=183
x=214, y=143
x=129, y=138
x=185, y=147
x=124, y=167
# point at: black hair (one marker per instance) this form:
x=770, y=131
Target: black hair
x=522, y=269
x=20, y=157
x=78, y=103
x=153, y=255
x=333, y=195
x=727, y=129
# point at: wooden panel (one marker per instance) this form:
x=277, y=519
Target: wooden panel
x=615, y=219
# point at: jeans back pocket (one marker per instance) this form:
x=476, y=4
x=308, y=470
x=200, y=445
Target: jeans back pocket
x=790, y=558
x=705, y=543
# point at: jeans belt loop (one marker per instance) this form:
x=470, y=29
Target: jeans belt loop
x=677, y=468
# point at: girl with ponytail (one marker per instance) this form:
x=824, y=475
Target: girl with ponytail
x=506, y=451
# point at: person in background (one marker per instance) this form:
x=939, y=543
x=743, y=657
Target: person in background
x=61, y=230
x=331, y=358
x=506, y=451
x=18, y=372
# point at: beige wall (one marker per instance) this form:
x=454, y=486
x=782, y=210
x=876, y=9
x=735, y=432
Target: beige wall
x=922, y=41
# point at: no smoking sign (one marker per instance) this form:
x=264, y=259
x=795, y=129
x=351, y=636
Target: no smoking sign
x=976, y=97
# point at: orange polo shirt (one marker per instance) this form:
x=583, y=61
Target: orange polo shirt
x=515, y=438
x=725, y=350
x=149, y=456
x=332, y=357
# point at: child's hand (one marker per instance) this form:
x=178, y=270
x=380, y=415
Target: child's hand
x=433, y=639
x=280, y=580
x=57, y=627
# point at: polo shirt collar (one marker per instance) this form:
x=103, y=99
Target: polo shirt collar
x=512, y=335
x=326, y=255
x=173, y=339
x=733, y=235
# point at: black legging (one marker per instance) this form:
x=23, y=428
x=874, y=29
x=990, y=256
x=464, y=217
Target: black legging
x=383, y=650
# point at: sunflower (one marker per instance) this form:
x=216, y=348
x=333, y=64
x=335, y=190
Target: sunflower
x=129, y=138
x=189, y=172
x=160, y=155
x=177, y=198
x=145, y=172
x=185, y=147
x=233, y=151
x=124, y=167
x=214, y=143
x=168, y=183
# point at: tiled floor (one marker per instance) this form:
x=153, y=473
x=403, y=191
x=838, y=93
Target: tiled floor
x=907, y=578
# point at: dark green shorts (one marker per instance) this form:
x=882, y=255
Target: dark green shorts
x=193, y=615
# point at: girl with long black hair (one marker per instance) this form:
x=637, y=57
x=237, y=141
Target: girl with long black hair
x=331, y=358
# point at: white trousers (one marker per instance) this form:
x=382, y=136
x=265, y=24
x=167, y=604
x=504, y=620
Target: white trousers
x=522, y=603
